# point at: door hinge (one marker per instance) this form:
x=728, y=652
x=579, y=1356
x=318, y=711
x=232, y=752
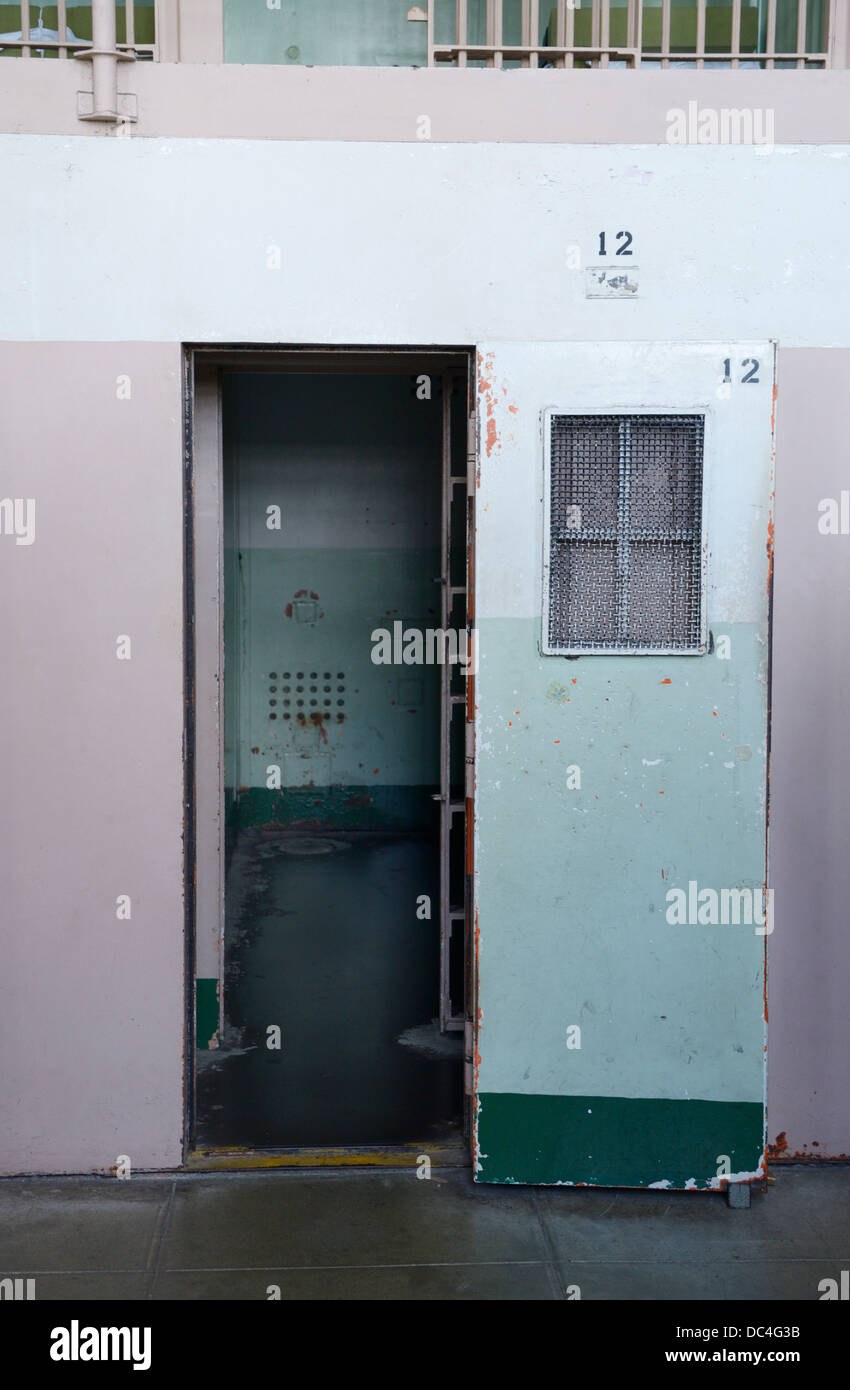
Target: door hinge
x=471, y=454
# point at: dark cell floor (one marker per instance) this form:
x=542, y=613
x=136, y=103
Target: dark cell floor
x=388, y=1235
x=323, y=941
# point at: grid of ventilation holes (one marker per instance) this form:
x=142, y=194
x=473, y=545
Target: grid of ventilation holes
x=304, y=694
x=625, y=570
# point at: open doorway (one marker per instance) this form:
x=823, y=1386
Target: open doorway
x=332, y=966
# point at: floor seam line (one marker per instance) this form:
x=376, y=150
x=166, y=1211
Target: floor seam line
x=141, y=1272
x=330, y=1269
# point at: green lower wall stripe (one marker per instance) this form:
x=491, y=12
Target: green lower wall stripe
x=206, y=1012
x=611, y=1141
x=338, y=808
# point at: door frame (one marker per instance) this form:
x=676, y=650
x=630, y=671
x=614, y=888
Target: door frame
x=203, y=365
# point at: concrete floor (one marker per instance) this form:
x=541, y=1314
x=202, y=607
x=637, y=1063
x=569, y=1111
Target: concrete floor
x=321, y=935
x=387, y=1235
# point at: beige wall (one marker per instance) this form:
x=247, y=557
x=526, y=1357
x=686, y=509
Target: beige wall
x=91, y=1007
x=200, y=32
x=297, y=103
x=809, y=1026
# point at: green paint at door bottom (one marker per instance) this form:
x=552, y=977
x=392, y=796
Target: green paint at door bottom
x=612, y=1141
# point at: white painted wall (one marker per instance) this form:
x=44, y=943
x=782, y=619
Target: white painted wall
x=167, y=240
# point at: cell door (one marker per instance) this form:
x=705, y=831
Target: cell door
x=624, y=553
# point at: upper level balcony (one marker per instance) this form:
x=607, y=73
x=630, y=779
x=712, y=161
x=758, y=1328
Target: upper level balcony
x=631, y=33
x=376, y=70
x=575, y=34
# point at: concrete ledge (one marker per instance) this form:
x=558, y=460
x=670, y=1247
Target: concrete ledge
x=232, y=101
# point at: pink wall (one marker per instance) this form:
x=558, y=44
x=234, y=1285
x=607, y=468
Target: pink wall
x=91, y=1008
x=809, y=1027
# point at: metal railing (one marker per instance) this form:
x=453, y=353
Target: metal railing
x=58, y=39
x=499, y=33
x=629, y=33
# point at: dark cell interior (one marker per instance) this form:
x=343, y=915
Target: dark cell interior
x=332, y=762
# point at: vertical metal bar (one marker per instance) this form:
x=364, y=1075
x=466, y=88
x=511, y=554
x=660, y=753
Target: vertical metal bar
x=594, y=23
x=494, y=31
x=445, y=712
x=634, y=9
x=565, y=33
x=802, y=7
x=770, y=45
x=604, y=29
x=470, y=998
x=623, y=526
x=25, y=29
x=634, y=37
x=129, y=23
x=735, y=36
x=62, y=26
x=526, y=38
x=632, y=30
x=534, y=30
x=461, y=28
x=700, y=44
x=665, y=32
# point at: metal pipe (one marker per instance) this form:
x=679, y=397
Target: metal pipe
x=462, y=31
x=25, y=29
x=104, y=56
x=104, y=63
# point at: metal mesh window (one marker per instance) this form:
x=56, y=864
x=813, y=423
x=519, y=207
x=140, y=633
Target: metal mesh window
x=625, y=522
